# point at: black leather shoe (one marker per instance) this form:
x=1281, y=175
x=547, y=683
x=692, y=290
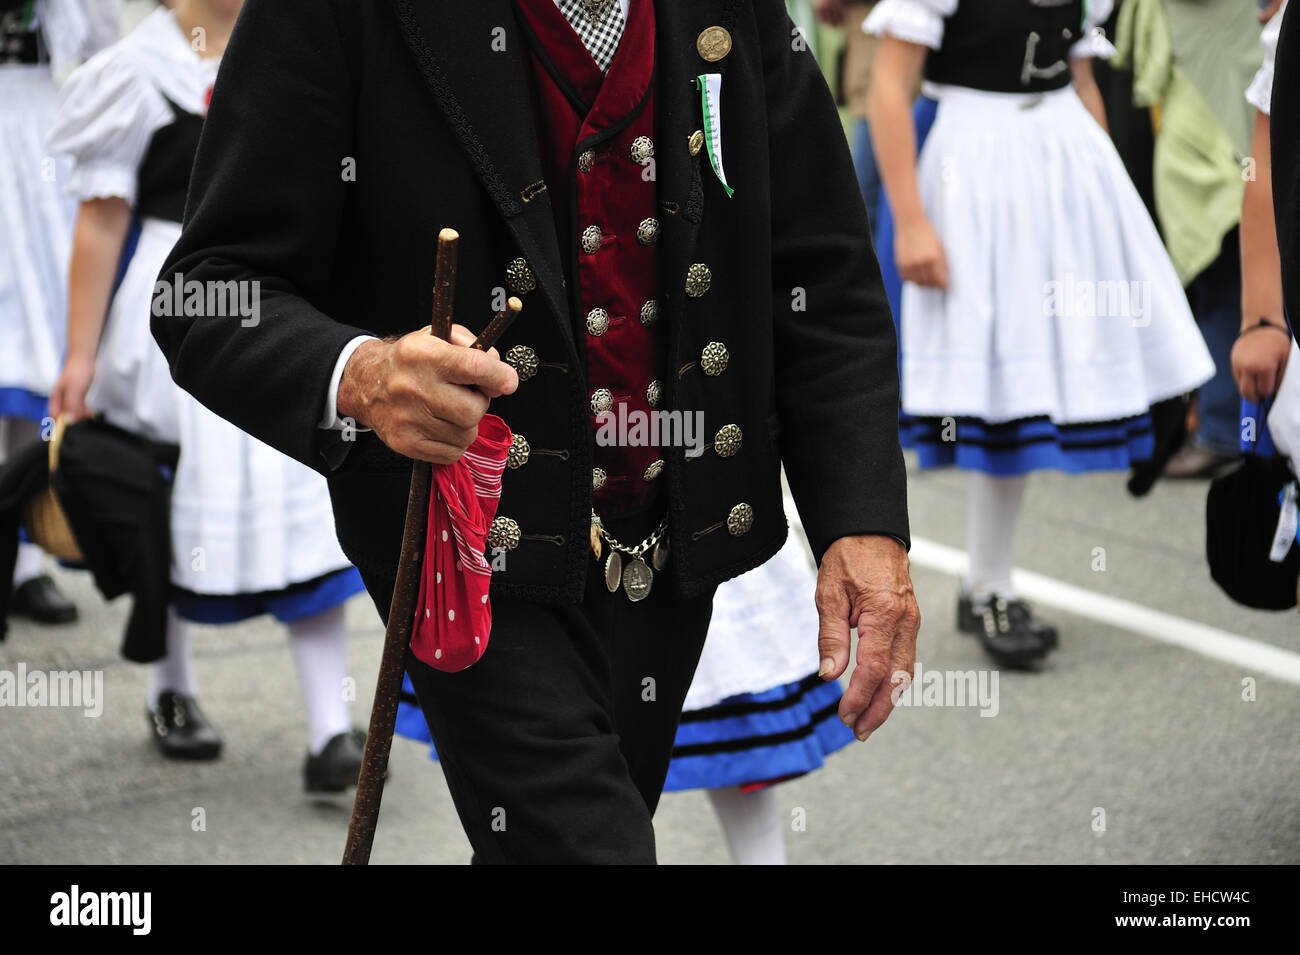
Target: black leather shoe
x=1007, y=630
x=337, y=766
x=40, y=600
x=181, y=730
x=968, y=621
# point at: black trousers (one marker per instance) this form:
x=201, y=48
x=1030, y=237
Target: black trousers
x=556, y=743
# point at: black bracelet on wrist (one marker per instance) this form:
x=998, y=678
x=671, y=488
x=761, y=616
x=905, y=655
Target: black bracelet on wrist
x=1265, y=323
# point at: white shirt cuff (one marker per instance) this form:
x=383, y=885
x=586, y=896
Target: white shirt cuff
x=330, y=419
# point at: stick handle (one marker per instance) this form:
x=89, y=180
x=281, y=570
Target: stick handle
x=444, y=283
x=499, y=324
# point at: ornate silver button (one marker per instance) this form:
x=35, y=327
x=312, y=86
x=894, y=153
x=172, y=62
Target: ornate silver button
x=591, y=237
x=698, y=280
x=649, y=313
x=598, y=478
x=727, y=441
x=519, y=451
x=643, y=149
x=714, y=358
x=647, y=233
x=655, y=469
x=504, y=534
x=740, y=520
x=520, y=277
x=586, y=160
x=653, y=392
x=601, y=401
x=597, y=322
x=523, y=360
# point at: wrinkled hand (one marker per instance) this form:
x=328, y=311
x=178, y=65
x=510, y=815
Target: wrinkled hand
x=422, y=396
x=1259, y=361
x=919, y=254
x=68, y=397
x=864, y=582
x=830, y=12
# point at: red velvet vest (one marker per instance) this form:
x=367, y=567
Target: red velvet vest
x=597, y=139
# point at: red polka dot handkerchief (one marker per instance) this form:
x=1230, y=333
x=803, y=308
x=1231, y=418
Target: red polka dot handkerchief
x=454, y=614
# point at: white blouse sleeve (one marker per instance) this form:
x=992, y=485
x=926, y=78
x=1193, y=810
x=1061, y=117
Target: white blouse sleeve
x=1284, y=415
x=108, y=112
x=916, y=21
x=1094, y=42
x=1260, y=92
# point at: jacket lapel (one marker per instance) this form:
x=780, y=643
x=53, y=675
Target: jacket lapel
x=474, y=61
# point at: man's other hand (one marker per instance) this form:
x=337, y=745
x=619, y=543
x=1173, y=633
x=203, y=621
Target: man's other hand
x=864, y=582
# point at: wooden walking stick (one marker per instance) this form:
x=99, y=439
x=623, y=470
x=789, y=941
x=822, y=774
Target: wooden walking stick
x=406, y=590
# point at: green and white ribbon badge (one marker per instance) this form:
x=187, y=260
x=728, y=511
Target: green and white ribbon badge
x=710, y=87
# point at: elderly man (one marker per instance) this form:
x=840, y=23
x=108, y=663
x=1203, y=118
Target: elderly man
x=668, y=188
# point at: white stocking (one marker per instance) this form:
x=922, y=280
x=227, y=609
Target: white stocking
x=993, y=511
x=18, y=433
x=752, y=824
x=320, y=654
x=175, y=671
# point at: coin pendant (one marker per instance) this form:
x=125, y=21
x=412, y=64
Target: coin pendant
x=659, y=557
x=613, y=571
x=637, y=578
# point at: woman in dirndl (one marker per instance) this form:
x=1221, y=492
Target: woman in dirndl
x=1041, y=317
x=39, y=41
x=252, y=531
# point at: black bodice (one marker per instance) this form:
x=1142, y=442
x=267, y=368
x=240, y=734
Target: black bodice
x=1008, y=46
x=164, y=177
x=20, y=40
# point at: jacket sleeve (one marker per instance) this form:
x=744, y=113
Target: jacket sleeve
x=265, y=208
x=1284, y=129
x=837, y=358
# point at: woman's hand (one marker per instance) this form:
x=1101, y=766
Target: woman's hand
x=1259, y=361
x=69, y=395
x=919, y=254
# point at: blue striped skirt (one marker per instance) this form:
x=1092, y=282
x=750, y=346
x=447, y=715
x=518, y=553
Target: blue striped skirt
x=20, y=403
x=1030, y=444
x=292, y=603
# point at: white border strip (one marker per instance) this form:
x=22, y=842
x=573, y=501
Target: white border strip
x=1208, y=641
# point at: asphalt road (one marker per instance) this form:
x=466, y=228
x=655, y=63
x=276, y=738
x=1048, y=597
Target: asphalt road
x=1127, y=748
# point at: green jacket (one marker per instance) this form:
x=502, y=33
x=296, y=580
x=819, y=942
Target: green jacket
x=1192, y=60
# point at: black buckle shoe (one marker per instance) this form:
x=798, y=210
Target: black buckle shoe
x=337, y=766
x=968, y=621
x=41, y=601
x=181, y=730
x=1007, y=630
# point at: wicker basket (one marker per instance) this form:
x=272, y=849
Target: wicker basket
x=46, y=523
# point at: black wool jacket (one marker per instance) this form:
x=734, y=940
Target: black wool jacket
x=1284, y=134
x=344, y=134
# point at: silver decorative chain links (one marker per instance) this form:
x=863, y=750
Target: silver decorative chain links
x=655, y=536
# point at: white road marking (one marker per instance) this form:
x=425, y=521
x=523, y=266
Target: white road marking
x=1250, y=654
